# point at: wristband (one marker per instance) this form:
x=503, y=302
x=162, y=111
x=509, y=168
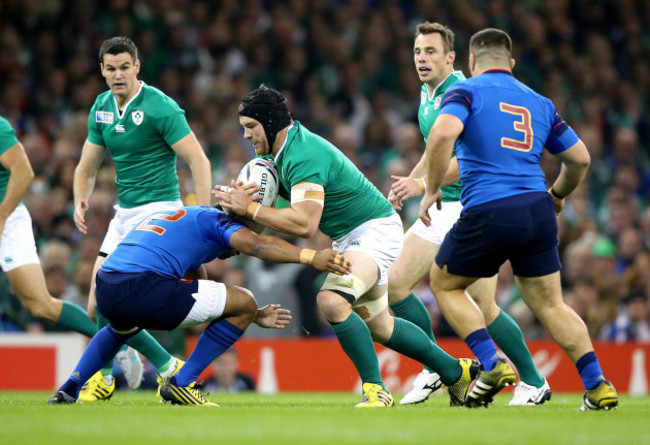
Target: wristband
x=556, y=194
x=422, y=183
x=307, y=256
x=252, y=209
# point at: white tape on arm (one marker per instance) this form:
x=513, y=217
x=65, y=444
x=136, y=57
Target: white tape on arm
x=308, y=191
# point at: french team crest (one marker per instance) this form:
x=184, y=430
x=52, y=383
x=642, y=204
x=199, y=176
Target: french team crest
x=137, y=116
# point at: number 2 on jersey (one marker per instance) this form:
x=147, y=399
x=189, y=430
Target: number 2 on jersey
x=144, y=225
x=523, y=125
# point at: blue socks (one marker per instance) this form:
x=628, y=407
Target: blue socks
x=101, y=349
x=216, y=338
x=483, y=348
x=589, y=370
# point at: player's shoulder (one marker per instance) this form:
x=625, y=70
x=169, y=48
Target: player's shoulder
x=5, y=125
x=456, y=76
x=156, y=101
x=104, y=100
x=303, y=144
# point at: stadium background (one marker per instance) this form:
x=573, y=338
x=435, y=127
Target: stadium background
x=347, y=69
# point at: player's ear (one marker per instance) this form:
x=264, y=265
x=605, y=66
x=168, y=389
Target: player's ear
x=137, y=66
x=451, y=56
x=512, y=63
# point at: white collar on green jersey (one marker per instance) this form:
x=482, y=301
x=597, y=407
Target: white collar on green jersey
x=432, y=94
x=286, y=138
x=121, y=115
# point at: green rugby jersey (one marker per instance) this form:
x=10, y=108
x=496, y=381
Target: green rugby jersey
x=139, y=140
x=429, y=109
x=7, y=140
x=350, y=198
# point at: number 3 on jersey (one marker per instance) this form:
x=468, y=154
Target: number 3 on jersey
x=144, y=225
x=523, y=125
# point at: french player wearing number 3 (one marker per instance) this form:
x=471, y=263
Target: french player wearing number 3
x=500, y=128
x=141, y=286
x=327, y=191
x=434, y=56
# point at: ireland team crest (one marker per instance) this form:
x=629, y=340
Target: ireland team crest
x=137, y=116
x=436, y=104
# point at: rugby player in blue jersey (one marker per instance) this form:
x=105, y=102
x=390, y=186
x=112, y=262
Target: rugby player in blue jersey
x=499, y=128
x=141, y=286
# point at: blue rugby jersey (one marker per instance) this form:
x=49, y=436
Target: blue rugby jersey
x=507, y=127
x=171, y=243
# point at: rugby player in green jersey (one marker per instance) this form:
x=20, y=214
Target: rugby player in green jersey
x=144, y=130
x=18, y=257
x=328, y=192
x=434, y=55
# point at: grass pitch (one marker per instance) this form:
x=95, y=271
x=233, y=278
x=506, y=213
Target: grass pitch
x=314, y=418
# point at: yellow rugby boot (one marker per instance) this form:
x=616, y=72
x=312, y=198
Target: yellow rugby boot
x=602, y=397
x=96, y=389
x=183, y=395
x=489, y=383
x=375, y=396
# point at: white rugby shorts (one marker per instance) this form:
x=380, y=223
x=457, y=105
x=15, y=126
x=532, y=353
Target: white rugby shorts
x=379, y=238
x=18, y=247
x=441, y=222
x=126, y=219
x=210, y=303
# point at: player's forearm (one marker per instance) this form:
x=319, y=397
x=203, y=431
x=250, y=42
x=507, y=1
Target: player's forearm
x=571, y=175
x=272, y=248
x=286, y=221
x=83, y=185
x=17, y=186
x=202, y=178
x=438, y=159
x=453, y=173
x=420, y=168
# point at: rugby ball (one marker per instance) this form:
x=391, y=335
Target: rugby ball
x=263, y=173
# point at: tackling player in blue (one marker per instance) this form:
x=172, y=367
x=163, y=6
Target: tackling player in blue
x=500, y=128
x=141, y=286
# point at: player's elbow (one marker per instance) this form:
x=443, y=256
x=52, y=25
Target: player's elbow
x=579, y=157
x=307, y=231
x=28, y=172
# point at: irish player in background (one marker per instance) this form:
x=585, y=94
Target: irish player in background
x=141, y=285
x=433, y=52
x=144, y=130
x=18, y=256
x=501, y=128
x=329, y=193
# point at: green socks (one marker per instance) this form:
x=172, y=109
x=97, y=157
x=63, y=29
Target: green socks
x=146, y=345
x=75, y=318
x=413, y=310
x=409, y=340
x=355, y=339
x=506, y=334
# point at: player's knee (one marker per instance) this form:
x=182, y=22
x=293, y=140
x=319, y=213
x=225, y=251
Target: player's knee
x=92, y=313
x=245, y=304
x=332, y=305
x=396, y=289
x=42, y=309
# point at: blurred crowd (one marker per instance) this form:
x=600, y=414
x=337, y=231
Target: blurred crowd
x=347, y=70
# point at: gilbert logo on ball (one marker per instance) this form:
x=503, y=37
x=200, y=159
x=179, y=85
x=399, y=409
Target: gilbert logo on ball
x=263, y=173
